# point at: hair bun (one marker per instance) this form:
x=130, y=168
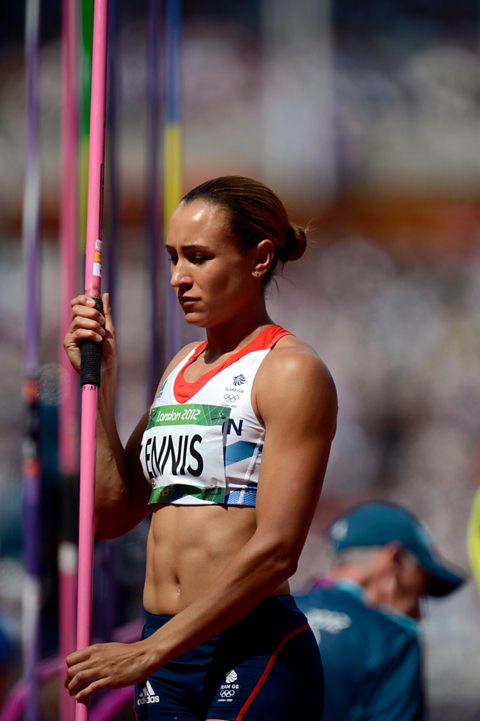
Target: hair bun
x=295, y=244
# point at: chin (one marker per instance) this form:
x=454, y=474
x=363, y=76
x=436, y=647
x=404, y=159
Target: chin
x=193, y=319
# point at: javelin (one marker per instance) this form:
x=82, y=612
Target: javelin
x=67, y=425
x=86, y=21
x=106, y=594
x=91, y=352
x=31, y=601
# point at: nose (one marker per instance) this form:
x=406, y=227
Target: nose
x=179, y=275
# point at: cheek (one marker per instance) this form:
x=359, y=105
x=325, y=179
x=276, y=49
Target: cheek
x=230, y=282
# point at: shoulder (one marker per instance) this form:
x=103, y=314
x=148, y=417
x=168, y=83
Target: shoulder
x=292, y=356
x=329, y=598
x=370, y=619
x=328, y=609
x=294, y=367
x=344, y=621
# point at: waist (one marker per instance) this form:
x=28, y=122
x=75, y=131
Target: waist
x=268, y=613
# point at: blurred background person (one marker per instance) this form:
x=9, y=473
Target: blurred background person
x=365, y=613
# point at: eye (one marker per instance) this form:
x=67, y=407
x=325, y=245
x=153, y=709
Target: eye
x=198, y=259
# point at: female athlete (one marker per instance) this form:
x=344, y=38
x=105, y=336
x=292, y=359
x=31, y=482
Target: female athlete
x=229, y=461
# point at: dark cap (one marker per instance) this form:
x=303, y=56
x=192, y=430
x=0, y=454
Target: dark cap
x=378, y=523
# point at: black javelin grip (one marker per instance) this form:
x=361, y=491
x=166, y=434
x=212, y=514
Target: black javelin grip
x=91, y=356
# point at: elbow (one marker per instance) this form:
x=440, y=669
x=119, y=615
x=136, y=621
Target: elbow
x=287, y=567
x=282, y=562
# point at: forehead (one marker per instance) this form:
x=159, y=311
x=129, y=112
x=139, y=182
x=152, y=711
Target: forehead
x=199, y=218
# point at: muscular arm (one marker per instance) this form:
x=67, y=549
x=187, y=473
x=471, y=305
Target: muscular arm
x=300, y=426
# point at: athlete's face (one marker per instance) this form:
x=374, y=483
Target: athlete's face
x=213, y=277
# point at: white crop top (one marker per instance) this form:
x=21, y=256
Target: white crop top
x=203, y=442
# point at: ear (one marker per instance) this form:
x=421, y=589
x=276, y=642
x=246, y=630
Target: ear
x=263, y=258
x=396, y=555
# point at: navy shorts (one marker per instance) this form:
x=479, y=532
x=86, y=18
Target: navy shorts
x=266, y=667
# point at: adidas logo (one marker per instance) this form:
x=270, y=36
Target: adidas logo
x=148, y=695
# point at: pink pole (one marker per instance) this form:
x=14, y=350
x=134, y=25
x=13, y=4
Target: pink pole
x=90, y=372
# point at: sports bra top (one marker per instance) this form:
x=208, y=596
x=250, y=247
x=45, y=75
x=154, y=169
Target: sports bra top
x=203, y=441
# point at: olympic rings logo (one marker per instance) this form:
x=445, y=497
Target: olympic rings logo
x=230, y=398
x=227, y=694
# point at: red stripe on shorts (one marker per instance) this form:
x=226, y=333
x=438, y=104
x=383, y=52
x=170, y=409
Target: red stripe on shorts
x=267, y=670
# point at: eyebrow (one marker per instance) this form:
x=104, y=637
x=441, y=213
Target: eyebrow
x=189, y=246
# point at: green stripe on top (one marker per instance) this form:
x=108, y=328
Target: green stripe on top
x=189, y=414
x=170, y=494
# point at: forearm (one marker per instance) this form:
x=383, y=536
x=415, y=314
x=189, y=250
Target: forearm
x=252, y=575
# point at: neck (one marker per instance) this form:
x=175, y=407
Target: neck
x=235, y=334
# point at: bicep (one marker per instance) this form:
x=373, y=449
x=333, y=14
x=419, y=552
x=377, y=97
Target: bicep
x=299, y=410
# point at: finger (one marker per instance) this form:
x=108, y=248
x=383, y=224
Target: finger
x=83, y=299
x=83, y=695
x=107, y=309
x=82, y=687
x=78, y=656
x=81, y=310
x=82, y=334
x=88, y=319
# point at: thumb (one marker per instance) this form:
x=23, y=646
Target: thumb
x=107, y=311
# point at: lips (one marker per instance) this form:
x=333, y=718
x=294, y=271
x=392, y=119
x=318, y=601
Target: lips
x=185, y=300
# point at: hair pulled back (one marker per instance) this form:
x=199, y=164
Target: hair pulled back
x=255, y=213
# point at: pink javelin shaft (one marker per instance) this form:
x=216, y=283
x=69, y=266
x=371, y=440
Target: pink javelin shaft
x=93, y=270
